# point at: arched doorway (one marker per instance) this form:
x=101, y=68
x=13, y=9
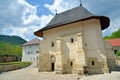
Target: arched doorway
x=52, y=66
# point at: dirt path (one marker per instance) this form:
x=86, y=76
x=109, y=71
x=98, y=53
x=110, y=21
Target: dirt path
x=31, y=73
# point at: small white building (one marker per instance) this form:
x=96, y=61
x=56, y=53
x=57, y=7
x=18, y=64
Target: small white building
x=115, y=44
x=30, y=51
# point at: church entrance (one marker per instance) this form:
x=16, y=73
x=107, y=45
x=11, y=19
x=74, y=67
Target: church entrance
x=52, y=66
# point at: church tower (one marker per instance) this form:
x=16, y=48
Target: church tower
x=72, y=43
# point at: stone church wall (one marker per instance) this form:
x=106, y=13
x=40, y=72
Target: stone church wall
x=72, y=57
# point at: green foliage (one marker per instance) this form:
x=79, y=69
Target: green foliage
x=16, y=63
x=11, y=45
x=8, y=66
x=16, y=40
x=115, y=34
x=118, y=55
x=7, y=48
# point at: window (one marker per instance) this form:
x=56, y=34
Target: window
x=93, y=63
x=52, y=44
x=37, y=51
x=71, y=63
x=52, y=66
x=115, y=51
x=28, y=52
x=72, y=40
x=112, y=49
x=85, y=44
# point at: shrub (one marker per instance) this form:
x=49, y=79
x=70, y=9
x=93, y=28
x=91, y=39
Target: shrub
x=9, y=66
x=118, y=55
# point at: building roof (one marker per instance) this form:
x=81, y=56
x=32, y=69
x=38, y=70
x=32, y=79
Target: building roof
x=71, y=16
x=34, y=41
x=115, y=42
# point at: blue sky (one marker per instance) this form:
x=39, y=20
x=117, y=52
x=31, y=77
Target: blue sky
x=40, y=6
x=24, y=17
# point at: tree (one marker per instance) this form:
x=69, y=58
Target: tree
x=10, y=49
x=115, y=34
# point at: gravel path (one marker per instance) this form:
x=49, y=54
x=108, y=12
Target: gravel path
x=32, y=74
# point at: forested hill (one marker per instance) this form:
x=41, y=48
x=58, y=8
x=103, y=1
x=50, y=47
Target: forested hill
x=11, y=45
x=15, y=40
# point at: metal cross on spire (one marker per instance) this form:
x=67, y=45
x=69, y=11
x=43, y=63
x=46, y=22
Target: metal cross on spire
x=80, y=2
x=56, y=11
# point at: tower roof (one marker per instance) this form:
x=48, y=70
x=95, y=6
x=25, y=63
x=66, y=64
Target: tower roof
x=71, y=16
x=34, y=41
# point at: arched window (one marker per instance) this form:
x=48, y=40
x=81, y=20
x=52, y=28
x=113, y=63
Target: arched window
x=71, y=63
x=72, y=40
x=52, y=44
x=93, y=63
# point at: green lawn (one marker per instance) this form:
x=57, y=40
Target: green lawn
x=9, y=66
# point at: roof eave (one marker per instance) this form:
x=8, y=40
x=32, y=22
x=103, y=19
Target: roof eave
x=39, y=33
x=105, y=22
x=30, y=44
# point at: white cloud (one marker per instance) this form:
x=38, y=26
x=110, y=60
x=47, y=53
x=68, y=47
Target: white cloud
x=114, y=26
x=62, y=5
x=24, y=32
x=11, y=12
x=28, y=32
x=44, y=20
x=108, y=8
x=17, y=17
x=102, y=7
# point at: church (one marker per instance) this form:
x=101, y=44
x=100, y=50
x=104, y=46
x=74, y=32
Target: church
x=73, y=44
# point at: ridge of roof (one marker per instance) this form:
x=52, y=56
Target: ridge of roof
x=70, y=15
x=32, y=42
x=73, y=15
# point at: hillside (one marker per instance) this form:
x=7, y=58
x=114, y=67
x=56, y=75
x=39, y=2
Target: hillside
x=15, y=40
x=11, y=45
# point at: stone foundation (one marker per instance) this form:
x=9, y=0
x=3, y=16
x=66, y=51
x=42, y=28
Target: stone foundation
x=111, y=64
x=98, y=67
x=59, y=71
x=44, y=63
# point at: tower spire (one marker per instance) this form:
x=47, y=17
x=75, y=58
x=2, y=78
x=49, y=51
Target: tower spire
x=80, y=2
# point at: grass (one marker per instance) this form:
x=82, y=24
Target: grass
x=9, y=66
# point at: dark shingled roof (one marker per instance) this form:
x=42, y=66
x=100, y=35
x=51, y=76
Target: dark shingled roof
x=34, y=41
x=71, y=16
